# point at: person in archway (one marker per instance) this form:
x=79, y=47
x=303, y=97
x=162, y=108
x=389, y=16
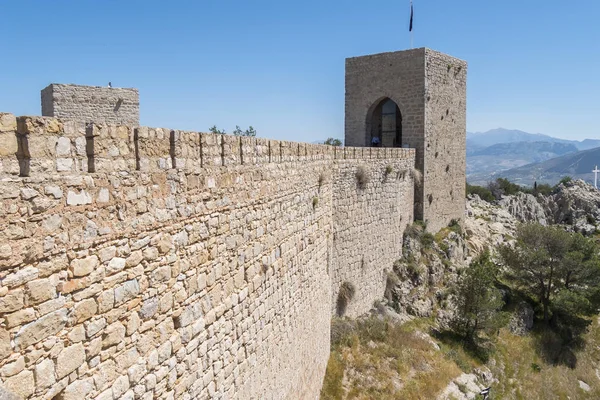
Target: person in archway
x=375, y=142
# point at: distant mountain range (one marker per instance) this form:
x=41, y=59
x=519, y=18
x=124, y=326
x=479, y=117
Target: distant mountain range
x=577, y=165
x=492, y=154
x=501, y=135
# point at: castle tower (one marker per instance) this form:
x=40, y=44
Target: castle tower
x=98, y=104
x=414, y=98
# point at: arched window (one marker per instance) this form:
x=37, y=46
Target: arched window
x=384, y=127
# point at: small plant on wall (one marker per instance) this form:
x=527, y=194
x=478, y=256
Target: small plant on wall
x=345, y=295
x=322, y=178
x=315, y=202
x=417, y=176
x=362, y=176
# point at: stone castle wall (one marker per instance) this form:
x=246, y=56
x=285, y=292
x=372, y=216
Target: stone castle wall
x=92, y=103
x=369, y=224
x=144, y=263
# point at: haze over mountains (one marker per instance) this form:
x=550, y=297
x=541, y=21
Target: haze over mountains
x=517, y=155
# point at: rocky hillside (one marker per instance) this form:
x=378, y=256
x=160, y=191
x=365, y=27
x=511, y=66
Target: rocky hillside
x=403, y=348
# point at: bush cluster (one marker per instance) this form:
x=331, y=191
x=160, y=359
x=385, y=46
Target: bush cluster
x=503, y=187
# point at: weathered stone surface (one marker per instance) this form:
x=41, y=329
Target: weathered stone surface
x=78, y=390
x=54, y=191
x=84, y=266
x=12, y=301
x=14, y=367
x=8, y=123
x=41, y=328
x=5, y=251
x=40, y=290
x=127, y=291
x=63, y=146
x=20, y=317
x=21, y=276
x=28, y=193
x=22, y=384
x=95, y=326
x=69, y=360
x=44, y=374
x=113, y=335
x=85, y=310
x=149, y=308
x=106, y=374
x=107, y=253
x=53, y=223
x=7, y=395
x=76, y=199
x=116, y=264
x=5, y=347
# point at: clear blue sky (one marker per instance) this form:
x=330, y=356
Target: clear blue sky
x=534, y=65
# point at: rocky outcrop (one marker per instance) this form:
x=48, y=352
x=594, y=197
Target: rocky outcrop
x=467, y=386
x=487, y=225
x=574, y=203
x=524, y=207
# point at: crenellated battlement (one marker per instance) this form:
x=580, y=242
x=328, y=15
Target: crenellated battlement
x=35, y=146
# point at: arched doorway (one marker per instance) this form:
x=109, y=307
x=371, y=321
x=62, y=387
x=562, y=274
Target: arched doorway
x=384, y=125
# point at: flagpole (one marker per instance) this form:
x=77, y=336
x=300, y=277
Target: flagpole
x=411, y=23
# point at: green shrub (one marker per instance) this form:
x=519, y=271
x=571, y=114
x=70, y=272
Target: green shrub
x=483, y=193
x=427, y=239
x=333, y=142
x=543, y=189
x=564, y=180
x=455, y=227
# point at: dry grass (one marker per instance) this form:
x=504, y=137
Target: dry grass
x=345, y=296
x=417, y=176
x=391, y=281
x=376, y=359
x=523, y=374
x=323, y=178
x=362, y=176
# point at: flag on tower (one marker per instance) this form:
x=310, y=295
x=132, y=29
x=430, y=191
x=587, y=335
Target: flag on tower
x=411, y=17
